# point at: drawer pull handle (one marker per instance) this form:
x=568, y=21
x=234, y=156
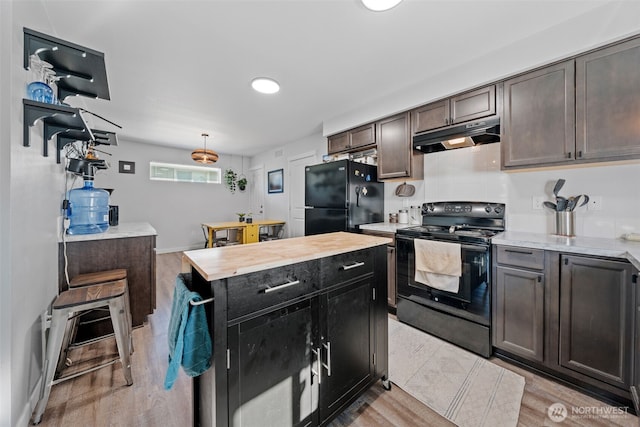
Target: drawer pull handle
x=284, y=285
x=350, y=266
x=327, y=365
x=519, y=252
x=319, y=364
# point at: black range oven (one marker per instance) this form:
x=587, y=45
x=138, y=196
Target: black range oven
x=461, y=316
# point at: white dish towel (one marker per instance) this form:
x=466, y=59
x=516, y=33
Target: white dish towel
x=438, y=264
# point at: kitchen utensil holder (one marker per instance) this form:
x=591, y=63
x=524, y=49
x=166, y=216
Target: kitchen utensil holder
x=565, y=223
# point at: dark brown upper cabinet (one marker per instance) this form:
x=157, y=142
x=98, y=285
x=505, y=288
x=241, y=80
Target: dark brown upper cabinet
x=460, y=108
x=396, y=159
x=360, y=137
x=608, y=103
x=582, y=110
x=538, y=124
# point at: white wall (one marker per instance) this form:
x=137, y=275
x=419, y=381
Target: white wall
x=277, y=204
x=5, y=221
x=474, y=174
x=174, y=209
x=595, y=28
x=29, y=243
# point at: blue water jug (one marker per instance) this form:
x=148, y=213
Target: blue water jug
x=88, y=209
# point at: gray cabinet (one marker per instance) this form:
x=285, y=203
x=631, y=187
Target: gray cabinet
x=392, y=287
x=358, y=138
x=518, y=309
x=571, y=316
x=302, y=341
x=578, y=111
x=458, y=109
x=396, y=158
x=597, y=318
x=538, y=123
x=608, y=103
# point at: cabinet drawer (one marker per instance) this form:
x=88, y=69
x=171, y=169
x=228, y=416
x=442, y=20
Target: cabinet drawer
x=256, y=291
x=521, y=257
x=347, y=266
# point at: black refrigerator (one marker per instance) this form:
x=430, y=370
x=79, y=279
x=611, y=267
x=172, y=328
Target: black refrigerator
x=341, y=195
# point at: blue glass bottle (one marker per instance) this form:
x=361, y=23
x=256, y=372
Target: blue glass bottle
x=88, y=209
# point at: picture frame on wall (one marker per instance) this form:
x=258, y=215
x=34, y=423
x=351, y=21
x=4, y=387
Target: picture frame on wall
x=275, y=181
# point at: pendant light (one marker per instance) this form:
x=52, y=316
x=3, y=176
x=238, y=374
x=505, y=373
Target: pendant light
x=202, y=155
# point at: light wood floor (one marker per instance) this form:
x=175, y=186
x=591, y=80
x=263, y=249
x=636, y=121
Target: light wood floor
x=103, y=399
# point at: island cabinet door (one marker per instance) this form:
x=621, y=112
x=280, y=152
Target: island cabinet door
x=270, y=368
x=347, y=345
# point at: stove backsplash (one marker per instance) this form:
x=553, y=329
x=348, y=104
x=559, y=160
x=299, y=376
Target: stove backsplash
x=474, y=174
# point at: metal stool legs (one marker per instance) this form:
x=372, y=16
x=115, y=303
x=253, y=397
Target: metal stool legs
x=66, y=307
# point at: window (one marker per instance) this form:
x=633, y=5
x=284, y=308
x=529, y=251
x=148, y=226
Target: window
x=184, y=173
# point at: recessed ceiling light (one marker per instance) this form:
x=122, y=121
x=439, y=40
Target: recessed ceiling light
x=265, y=85
x=380, y=5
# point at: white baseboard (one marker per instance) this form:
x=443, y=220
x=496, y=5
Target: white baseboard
x=177, y=249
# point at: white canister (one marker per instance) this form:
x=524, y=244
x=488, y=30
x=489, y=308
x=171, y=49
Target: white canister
x=403, y=216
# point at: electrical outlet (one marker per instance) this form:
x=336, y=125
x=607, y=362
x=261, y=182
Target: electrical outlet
x=536, y=203
x=595, y=203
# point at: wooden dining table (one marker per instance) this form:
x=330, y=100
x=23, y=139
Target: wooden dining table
x=249, y=232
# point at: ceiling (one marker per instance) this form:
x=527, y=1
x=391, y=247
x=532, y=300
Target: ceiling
x=180, y=68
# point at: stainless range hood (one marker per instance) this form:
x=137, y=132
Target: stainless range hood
x=468, y=134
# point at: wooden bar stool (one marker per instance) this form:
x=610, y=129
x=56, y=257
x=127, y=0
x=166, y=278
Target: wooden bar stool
x=90, y=279
x=65, y=307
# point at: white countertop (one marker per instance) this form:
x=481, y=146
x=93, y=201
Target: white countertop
x=123, y=230
x=613, y=248
x=387, y=227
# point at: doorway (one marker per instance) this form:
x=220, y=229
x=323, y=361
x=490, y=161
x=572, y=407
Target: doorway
x=257, y=192
x=296, y=168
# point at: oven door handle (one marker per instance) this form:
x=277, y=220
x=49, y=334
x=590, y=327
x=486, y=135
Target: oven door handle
x=466, y=246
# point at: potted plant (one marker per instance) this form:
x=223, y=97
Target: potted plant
x=242, y=183
x=230, y=180
x=240, y=216
x=249, y=218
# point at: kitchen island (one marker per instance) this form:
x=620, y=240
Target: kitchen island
x=299, y=328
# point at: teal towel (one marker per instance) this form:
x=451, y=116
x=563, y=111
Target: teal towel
x=189, y=339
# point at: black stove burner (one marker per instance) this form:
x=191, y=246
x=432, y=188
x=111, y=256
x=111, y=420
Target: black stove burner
x=459, y=221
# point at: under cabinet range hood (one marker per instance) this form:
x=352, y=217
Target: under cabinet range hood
x=468, y=134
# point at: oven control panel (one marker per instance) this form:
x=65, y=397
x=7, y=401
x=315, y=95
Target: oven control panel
x=467, y=209
x=457, y=208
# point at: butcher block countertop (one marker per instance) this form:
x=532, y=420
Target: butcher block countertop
x=227, y=261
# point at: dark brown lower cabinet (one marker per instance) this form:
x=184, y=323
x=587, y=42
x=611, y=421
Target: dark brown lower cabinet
x=597, y=318
x=519, y=312
x=294, y=345
x=135, y=254
x=571, y=316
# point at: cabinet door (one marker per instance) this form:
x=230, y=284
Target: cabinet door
x=518, y=322
x=608, y=102
x=392, y=289
x=538, y=126
x=337, y=143
x=362, y=136
x=430, y=116
x=596, y=318
x=394, y=147
x=473, y=105
x=270, y=361
x=346, y=344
